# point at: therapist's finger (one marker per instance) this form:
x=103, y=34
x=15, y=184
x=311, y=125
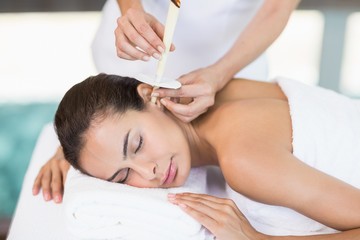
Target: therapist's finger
x=185, y=113
x=127, y=51
x=185, y=91
x=159, y=30
x=151, y=32
x=137, y=40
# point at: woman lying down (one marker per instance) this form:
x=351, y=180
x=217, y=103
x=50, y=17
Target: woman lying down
x=284, y=144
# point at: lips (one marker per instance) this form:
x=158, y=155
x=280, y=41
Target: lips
x=170, y=173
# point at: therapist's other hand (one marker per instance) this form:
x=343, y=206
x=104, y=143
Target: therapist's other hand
x=51, y=177
x=200, y=85
x=220, y=216
x=138, y=36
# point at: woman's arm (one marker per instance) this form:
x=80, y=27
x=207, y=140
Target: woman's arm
x=125, y=5
x=225, y=221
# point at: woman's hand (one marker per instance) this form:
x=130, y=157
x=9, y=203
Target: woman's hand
x=200, y=85
x=138, y=35
x=220, y=216
x=51, y=177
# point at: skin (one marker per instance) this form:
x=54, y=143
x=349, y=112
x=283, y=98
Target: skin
x=253, y=144
x=136, y=28
x=51, y=177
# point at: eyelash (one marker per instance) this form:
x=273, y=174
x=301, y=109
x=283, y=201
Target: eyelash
x=128, y=169
x=140, y=145
x=127, y=175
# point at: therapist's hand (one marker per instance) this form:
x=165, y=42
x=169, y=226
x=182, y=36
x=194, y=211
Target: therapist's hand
x=200, y=85
x=220, y=216
x=139, y=36
x=51, y=177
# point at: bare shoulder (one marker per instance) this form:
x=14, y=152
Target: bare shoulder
x=248, y=135
x=263, y=119
x=238, y=89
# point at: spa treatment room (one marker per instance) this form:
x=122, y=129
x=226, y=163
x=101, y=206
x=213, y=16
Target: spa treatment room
x=118, y=119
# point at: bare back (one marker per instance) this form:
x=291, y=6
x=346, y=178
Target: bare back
x=250, y=130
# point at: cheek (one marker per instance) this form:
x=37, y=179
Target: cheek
x=184, y=171
x=135, y=180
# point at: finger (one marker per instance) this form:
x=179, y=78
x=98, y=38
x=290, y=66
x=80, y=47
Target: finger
x=124, y=55
x=213, y=202
x=127, y=51
x=225, y=205
x=136, y=39
x=193, y=91
x=200, y=215
x=159, y=30
x=150, y=32
x=37, y=184
x=199, y=196
x=64, y=166
x=45, y=185
x=56, y=185
x=192, y=110
x=185, y=119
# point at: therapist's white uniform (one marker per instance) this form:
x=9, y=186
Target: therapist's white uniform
x=205, y=31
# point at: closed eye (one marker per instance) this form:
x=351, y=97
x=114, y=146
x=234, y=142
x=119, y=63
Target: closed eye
x=140, y=144
x=123, y=180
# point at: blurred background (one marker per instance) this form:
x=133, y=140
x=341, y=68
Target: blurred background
x=45, y=49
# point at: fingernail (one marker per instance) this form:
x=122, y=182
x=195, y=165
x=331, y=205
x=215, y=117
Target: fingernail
x=171, y=195
x=57, y=199
x=157, y=56
x=47, y=197
x=163, y=102
x=160, y=49
x=146, y=58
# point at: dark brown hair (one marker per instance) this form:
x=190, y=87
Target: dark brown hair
x=89, y=100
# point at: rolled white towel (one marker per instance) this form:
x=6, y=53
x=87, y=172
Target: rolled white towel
x=97, y=209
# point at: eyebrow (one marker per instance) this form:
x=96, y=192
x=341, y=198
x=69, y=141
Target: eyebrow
x=126, y=140
x=125, y=147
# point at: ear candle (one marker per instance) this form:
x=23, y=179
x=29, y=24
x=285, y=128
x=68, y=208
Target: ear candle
x=170, y=24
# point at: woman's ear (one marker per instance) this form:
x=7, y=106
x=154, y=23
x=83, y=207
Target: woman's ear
x=144, y=91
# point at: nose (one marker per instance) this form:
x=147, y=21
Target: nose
x=146, y=169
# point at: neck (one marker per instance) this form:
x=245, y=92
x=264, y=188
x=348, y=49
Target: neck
x=202, y=153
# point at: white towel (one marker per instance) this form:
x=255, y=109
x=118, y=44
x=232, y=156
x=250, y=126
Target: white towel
x=96, y=209
x=326, y=136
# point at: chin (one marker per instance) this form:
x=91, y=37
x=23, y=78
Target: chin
x=181, y=180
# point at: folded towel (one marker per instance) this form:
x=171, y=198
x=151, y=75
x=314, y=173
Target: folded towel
x=326, y=136
x=97, y=209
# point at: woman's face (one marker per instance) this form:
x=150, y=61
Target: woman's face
x=141, y=149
